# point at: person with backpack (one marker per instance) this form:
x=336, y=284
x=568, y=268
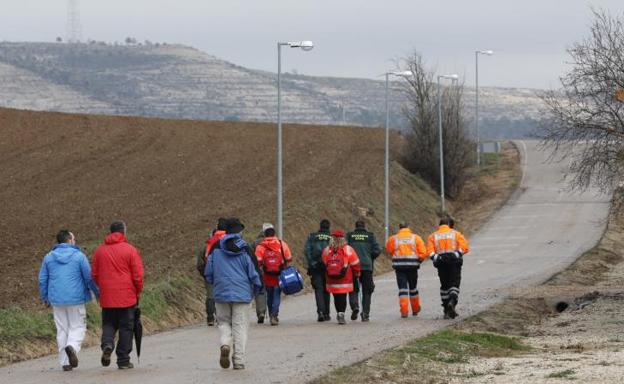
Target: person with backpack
x=65, y=283
x=408, y=252
x=202, y=258
x=446, y=248
x=232, y=273
x=273, y=256
x=313, y=249
x=342, y=266
x=368, y=249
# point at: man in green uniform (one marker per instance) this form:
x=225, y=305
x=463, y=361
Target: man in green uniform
x=317, y=241
x=367, y=249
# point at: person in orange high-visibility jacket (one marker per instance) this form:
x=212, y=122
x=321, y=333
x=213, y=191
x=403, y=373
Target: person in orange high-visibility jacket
x=446, y=248
x=341, y=266
x=408, y=252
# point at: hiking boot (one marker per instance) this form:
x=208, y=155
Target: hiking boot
x=106, y=356
x=128, y=365
x=450, y=310
x=210, y=321
x=67, y=368
x=354, y=314
x=71, y=354
x=274, y=320
x=238, y=366
x=403, y=315
x=365, y=317
x=224, y=359
x=327, y=317
x=415, y=313
x=260, y=319
x=341, y=318
x=320, y=318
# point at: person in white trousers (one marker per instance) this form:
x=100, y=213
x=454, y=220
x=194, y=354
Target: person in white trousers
x=65, y=283
x=232, y=272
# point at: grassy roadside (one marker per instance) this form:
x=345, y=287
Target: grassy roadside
x=178, y=300
x=524, y=339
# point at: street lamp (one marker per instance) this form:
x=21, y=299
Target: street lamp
x=306, y=46
x=477, y=53
x=452, y=77
x=387, y=156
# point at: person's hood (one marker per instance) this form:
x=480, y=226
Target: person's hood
x=62, y=253
x=272, y=242
x=233, y=244
x=115, y=237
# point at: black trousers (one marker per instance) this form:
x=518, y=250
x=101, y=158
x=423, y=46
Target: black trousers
x=365, y=284
x=118, y=320
x=340, y=301
x=407, y=281
x=318, y=280
x=449, y=272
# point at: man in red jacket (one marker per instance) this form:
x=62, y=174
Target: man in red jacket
x=118, y=272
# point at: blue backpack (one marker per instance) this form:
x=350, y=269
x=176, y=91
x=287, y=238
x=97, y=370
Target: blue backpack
x=290, y=281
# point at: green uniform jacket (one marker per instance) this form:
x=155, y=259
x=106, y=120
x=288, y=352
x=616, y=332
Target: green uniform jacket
x=317, y=241
x=366, y=247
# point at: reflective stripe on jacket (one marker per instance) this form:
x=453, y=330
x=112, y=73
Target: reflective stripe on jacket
x=447, y=240
x=407, y=249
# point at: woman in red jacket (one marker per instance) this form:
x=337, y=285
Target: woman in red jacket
x=341, y=266
x=273, y=255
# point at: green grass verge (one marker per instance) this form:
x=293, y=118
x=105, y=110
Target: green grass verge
x=426, y=358
x=18, y=324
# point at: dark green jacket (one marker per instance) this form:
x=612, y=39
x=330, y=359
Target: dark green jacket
x=366, y=247
x=317, y=241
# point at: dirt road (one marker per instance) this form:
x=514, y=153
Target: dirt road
x=541, y=230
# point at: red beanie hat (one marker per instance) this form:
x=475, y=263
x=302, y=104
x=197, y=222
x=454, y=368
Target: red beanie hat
x=338, y=233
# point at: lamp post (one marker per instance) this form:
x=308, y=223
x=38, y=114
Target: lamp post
x=387, y=155
x=306, y=46
x=452, y=77
x=477, y=53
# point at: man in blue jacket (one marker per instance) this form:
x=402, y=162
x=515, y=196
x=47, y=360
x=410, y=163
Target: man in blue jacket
x=65, y=283
x=232, y=273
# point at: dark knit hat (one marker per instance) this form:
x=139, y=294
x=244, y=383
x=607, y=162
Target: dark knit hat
x=118, y=226
x=233, y=225
x=221, y=224
x=325, y=224
x=360, y=224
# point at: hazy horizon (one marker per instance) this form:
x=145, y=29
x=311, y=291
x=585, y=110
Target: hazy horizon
x=352, y=38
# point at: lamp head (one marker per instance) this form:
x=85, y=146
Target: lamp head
x=453, y=76
x=304, y=45
x=488, y=52
x=401, y=73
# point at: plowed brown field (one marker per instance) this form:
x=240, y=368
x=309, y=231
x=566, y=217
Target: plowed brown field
x=170, y=180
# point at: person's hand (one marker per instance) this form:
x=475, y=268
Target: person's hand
x=46, y=303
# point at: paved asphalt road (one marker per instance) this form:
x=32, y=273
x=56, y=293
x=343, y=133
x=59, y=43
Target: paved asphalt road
x=539, y=232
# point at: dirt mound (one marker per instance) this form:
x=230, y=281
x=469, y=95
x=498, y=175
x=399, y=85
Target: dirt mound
x=170, y=180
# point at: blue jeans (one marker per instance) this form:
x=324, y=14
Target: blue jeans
x=273, y=295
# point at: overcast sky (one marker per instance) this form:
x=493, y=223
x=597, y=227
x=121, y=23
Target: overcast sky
x=354, y=38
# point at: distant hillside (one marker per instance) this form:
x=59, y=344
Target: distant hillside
x=175, y=81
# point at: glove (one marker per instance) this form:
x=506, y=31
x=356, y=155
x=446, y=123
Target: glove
x=435, y=258
x=458, y=254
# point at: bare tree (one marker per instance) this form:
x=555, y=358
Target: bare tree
x=585, y=121
x=422, y=113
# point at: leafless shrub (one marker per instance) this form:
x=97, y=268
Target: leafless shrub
x=585, y=122
x=421, y=111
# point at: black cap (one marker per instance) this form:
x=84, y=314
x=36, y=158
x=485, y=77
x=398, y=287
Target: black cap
x=233, y=225
x=325, y=224
x=118, y=226
x=221, y=224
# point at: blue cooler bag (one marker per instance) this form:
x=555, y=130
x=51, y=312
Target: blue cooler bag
x=290, y=281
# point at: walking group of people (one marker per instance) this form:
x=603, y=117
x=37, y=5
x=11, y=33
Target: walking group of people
x=235, y=273
x=67, y=282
